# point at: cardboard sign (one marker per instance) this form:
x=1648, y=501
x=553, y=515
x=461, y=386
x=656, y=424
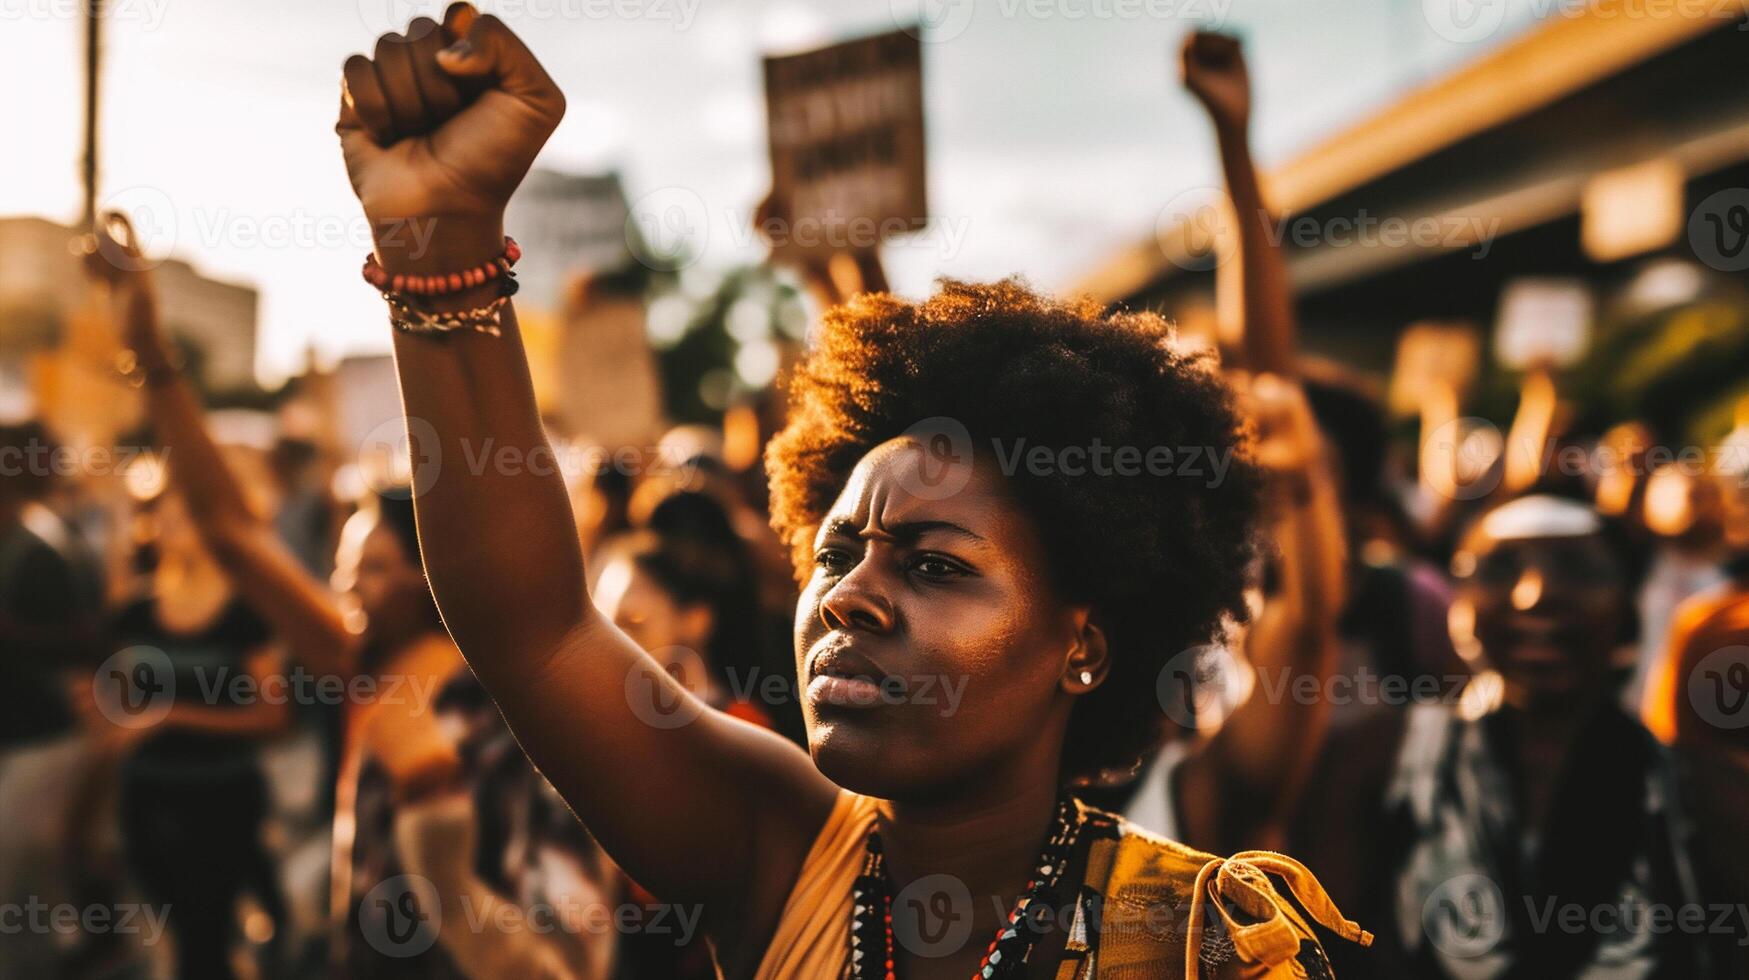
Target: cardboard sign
x=846, y=138
x=1632, y=210
x=1543, y=322
x=1433, y=355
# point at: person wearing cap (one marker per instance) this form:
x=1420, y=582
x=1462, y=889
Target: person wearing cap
x=1533, y=828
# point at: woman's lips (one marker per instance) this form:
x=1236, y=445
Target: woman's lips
x=844, y=692
x=842, y=676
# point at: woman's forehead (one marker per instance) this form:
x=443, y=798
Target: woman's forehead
x=903, y=481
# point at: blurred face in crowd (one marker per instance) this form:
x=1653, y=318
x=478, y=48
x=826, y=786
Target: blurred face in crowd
x=1545, y=596
x=928, y=640
x=176, y=535
x=1734, y=508
x=675, y=634
x=381, y=586
x=1683, y=507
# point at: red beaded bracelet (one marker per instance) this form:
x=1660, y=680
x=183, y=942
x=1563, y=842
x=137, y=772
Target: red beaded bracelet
x=440, y=283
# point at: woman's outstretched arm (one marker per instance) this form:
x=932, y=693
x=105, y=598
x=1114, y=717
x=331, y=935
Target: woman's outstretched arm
x=262, y=570
x=696, y=806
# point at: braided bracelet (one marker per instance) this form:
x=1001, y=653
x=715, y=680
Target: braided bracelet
x=487, y=318
x=150, y=372
x=409, y=296
x=441, y=283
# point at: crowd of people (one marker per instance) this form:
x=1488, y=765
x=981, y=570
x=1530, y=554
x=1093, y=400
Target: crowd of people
x=891, y=702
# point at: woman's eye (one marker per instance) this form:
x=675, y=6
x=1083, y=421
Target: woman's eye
x=934, y=567
x=832, y=559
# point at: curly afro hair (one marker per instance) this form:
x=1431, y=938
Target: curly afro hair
x=1162, y=559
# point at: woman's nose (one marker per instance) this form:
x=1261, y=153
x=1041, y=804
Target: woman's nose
x=857, y=602
x=1528, y=591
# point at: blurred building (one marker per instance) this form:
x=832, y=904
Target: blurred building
x=52, y=335
x=41, y=285
x=589, y=353
x=1593, y=143
x=567, y=224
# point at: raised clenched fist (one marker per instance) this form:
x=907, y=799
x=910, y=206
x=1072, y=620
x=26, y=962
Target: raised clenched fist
x=112, y=257
x=438, y=127
x=1213, y=68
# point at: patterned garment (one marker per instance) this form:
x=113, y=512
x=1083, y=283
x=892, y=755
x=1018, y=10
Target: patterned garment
x=1146, y=903
x=1479, y=896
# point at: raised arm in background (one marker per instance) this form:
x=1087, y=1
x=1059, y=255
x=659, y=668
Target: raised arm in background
x=695, y=805
x=428, y=836
x=261, y=568
x=832, y=278
x=1237, y=790
x=1213, y=68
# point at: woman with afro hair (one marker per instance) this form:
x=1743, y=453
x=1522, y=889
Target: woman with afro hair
x=997, y=561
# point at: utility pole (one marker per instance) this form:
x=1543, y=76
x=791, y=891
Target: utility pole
x=93, y=52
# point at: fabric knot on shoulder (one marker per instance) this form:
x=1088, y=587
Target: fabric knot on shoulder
x=1265, y=929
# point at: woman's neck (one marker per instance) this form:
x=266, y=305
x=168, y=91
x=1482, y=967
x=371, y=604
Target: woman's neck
x=988, y=837
x=186, y=584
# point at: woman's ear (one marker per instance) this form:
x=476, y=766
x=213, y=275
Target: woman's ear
x=697, y=622
x=1089, y=657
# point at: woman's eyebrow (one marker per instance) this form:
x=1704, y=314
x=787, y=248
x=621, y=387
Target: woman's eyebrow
x=905, y=531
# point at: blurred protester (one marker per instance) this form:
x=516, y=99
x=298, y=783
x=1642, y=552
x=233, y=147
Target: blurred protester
x=1714, y=621
x=682, y=587
x=305, y=517
x=1394, y=623
x=193, y=797
x=1393, y=619
x=1620, y=490
x=404, y=784
x=51, y=616
x=1463, y=829
x=1699, y=701
x=713, y=506
x=1682, y=511
x=1234, y=789
x=599, y=496
x=50, y=594
x=1049, y=601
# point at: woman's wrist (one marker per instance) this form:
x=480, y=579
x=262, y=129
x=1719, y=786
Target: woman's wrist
x=1233, y=136
x=442, y=245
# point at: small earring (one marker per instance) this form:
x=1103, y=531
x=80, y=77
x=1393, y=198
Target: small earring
x=1087, y=677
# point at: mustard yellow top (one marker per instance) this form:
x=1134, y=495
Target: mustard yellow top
x=1158, y=901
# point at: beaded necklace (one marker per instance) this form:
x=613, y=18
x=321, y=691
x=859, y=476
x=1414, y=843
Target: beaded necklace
x=871, y=916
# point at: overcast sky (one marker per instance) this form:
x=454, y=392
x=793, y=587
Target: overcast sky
x=1056, y=129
